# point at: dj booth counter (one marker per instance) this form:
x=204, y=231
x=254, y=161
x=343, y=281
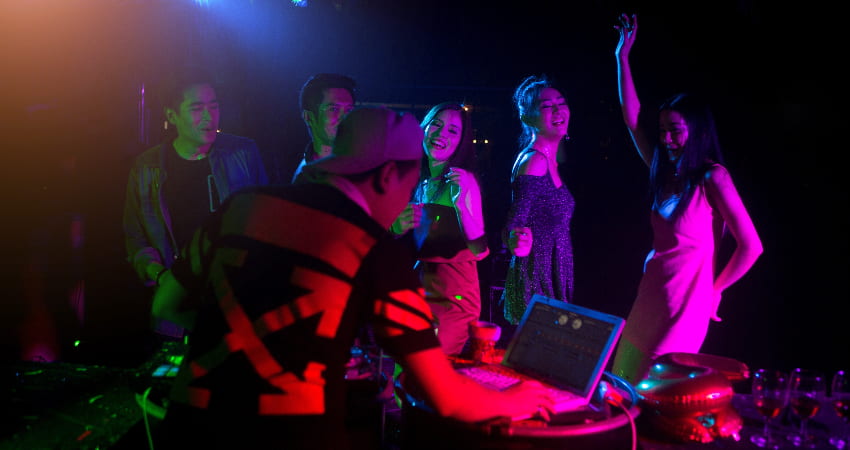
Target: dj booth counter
x=609, y=423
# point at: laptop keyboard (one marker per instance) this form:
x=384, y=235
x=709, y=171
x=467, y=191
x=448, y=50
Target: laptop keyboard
x=491, y=378
x=496, y=377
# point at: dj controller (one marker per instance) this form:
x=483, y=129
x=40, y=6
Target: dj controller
x=63, y=405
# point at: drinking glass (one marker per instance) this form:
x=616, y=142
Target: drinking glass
x=839, y=394
x=806, y=391
x=769, y=389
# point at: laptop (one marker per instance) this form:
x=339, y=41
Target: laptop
x=562, y=345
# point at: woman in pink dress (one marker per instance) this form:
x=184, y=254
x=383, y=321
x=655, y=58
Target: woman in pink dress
x=694, y=202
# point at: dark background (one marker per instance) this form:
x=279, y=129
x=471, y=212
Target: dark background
x=74, y=115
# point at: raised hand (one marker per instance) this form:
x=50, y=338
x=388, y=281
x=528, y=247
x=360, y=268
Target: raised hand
x=628, y=29
x=629, y=101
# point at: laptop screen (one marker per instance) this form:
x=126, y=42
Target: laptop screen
x=563, y=344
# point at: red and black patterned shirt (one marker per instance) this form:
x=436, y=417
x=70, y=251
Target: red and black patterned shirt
x=283, y=278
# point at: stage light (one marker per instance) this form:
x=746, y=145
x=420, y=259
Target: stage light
x=299, y=3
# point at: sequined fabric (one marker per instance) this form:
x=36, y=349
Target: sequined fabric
x=548, y=268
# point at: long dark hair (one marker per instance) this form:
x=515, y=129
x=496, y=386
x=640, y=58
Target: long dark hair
x=700, y=152
x=464, y=155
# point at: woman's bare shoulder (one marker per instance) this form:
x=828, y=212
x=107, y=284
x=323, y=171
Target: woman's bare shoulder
x=532, y=162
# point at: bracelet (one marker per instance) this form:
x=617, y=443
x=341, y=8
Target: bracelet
x=159, y=275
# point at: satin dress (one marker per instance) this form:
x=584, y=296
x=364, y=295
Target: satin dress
x=675, y=298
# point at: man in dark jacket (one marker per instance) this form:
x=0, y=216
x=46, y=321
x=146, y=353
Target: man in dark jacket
x=175, y=185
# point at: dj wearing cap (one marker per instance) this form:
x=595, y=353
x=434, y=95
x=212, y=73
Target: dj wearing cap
x=275, y=287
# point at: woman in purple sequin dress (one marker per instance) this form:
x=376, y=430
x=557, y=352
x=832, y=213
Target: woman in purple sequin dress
x=537, y=232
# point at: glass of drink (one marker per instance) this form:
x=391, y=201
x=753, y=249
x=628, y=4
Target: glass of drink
x=769, y=389
x=806, y=390
x=840, y=398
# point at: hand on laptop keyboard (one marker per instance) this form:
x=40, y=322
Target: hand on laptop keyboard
x=532, y=400
x=503, y=381
x=544, y=397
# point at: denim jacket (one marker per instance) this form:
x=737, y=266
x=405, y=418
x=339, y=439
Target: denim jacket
x=236, y=163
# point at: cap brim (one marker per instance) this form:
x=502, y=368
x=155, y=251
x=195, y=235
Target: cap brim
x=369, y=137
x=342, y=164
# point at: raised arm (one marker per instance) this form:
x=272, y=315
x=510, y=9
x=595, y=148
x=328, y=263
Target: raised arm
x=629, y=102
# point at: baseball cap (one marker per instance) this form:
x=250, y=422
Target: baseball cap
x=370, y=136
